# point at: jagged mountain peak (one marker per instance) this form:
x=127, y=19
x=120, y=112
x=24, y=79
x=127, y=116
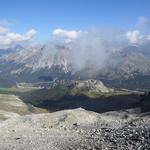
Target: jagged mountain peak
x=57, y=61
x=40, y=57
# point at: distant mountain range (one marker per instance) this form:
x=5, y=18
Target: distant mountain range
x=128, y=68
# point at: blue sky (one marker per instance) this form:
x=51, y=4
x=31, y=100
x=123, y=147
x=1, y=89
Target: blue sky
x=47, y=15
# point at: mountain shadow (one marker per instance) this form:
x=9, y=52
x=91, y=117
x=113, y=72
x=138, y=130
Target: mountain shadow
x=100, y=104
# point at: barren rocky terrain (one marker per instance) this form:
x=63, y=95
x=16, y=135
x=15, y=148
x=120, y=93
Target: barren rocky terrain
x=76, y=129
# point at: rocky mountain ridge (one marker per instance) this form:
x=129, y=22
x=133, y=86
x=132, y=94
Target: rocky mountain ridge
x=56, y=62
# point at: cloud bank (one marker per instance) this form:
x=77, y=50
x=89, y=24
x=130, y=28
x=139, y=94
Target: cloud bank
x=136, y=37
x=9, y=38
x=86, y=49
x=141, y=34
x=93, y=48
x=59, y=35
x=65, y=35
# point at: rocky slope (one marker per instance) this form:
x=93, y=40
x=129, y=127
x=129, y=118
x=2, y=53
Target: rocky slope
x=76, y=129
x=11, y=105
x=91, y=85
x=80, y=85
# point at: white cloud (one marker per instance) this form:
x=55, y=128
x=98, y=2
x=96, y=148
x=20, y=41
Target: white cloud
x=140, y=35
x=31, y=33
x=8, y=38
x=134, y=36
x=67, y=35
